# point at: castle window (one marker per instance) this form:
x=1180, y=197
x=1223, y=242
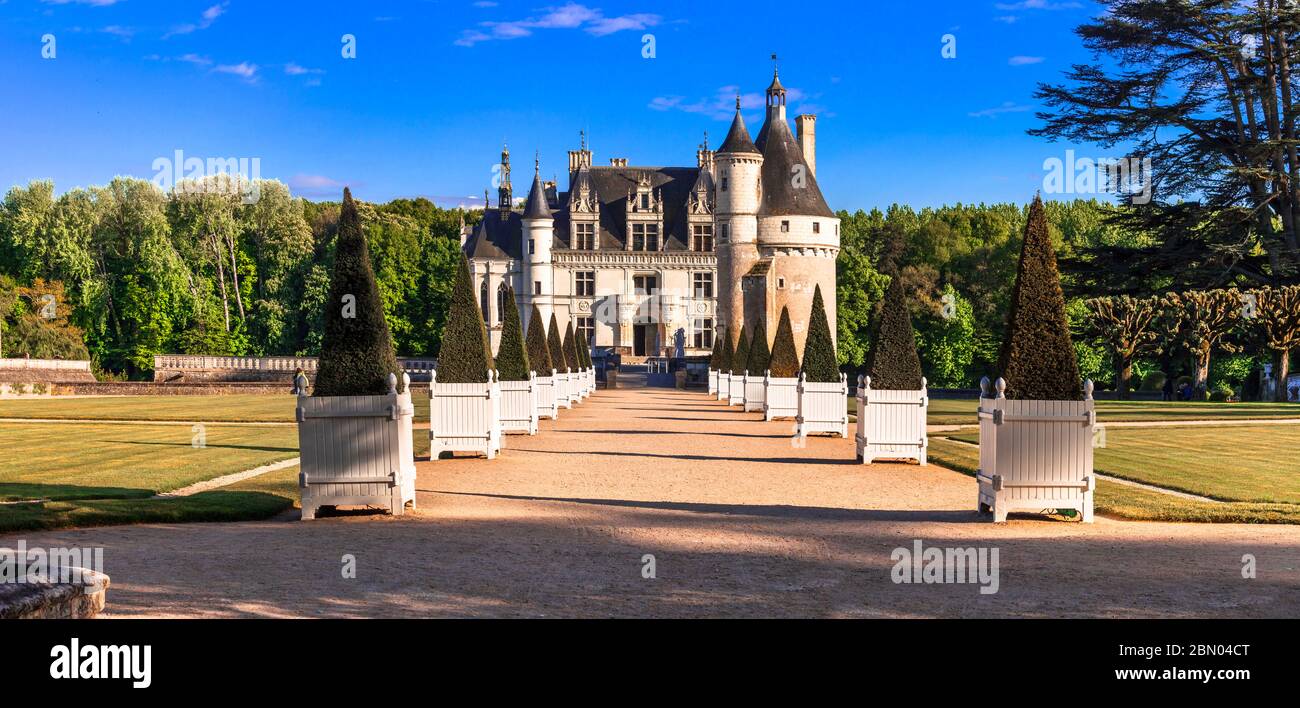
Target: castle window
x=484, y=304
x=785, y=227
x=532, y=245
x=703, y=238
x=780, y=283
x=503, y=300
x=645, y=200
x=726, y=232
x=584, y=236
x=645, y=237
x=703, y=331
x=586, y=330
x=817, y=227
x=724, y=183
x=537, y=287
x=585, y=282
x=702, y=284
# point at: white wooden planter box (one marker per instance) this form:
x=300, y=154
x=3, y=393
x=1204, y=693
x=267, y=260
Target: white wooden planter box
x=1035, y=455
x=736, y=389
x=465, y=417
x=562, y=384
x=547, y=407
x=754, y=393
x=780, y=398
x=519, y=406
x=574, y=387
x=724, y=385
x=713, y=382
x=823, y=407
x=891, y=424
x=584, y=376
x=356, y=450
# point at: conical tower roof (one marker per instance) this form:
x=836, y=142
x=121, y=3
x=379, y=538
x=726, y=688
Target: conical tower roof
x=738, y=139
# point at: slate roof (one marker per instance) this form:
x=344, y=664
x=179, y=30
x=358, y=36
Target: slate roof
x=738, y=137
x=496, y=238
x=536, y=206
x=781, y=153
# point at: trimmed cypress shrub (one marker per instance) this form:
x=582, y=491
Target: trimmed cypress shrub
x=759, y=355
x=1037, y=358
x=584, y=353
x=741, y=358
x=356, y=353
x=715, y=359
x=892, y=362
x=819, y=363
x=555, y=345
x=466, y=354
x=512, y=359
x=728, y=352
x=539, y=354
x=571, y=348
x=785, y=358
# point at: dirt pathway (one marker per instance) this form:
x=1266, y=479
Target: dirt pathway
x=738, y=521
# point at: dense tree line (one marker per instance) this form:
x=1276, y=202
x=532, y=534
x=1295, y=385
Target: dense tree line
x=140, y=272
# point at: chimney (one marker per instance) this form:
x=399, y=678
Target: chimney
x=806, y=124
x=618, y=162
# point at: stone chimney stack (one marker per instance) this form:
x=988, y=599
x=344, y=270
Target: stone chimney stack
x=806, y=124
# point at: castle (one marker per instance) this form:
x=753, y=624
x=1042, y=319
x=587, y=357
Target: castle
x=643, y=260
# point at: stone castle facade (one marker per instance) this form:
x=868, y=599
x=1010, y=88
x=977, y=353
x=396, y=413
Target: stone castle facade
x=643, y=260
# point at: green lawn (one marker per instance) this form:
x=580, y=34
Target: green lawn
x=232, y=408
x=63, y=461
x=257, y=498
x=945, y=411
x=1128, y=502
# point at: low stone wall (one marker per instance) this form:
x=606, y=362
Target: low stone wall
x=44, y=371
x=82, y=599
x=150, y=388
x=251, y=369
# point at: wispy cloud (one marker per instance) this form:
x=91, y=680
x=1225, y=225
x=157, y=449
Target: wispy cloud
x=1022, y=60
x=1009, y=19
x=569, y=16
x=306, y=185
x=1007, y=107
x=209, y=16
x=243, y=70
x=485, y=3
x=1038, y=5
x=195, y=59
x=125, y=33
x=293, y=69
x=94, y=3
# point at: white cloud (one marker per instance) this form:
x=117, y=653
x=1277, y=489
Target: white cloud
x=243, y=70
x=722, y=105
x=1009, y=19
x=1007, y=107
x=569, y=16
x=316, y=183
x=119, y=31
x=293, y=69
x=209, y=16
x=1021, y=60
x=1038, y=5
x=94, y=3
x=195, y=59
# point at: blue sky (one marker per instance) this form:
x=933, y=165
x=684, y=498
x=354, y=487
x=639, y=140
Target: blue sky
x=437, y=85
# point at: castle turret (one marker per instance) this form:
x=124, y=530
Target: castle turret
x=738, y=167
x=539, y=233
x=798, y=234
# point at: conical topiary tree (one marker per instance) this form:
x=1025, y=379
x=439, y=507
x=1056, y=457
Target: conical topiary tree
x=759, y=355
x=584, y=353
x=819, y=364
x=741, y=356
x=512, y=358
x=539, y=354
x=785, y=358
x=728, y=352
x=356, y=354
x=466, y=354
x=555, y=344
x=1037, y=358
x=715, y=358
x=892, y=362
x=571, y=348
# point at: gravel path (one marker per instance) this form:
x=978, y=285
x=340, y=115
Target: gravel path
x=740, y=523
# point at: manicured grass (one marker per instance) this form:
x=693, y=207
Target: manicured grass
x=65, y=461
x=947, y=411
x=257, y=498
x=1248, y=463
x=1123, y=501
x=240, y=408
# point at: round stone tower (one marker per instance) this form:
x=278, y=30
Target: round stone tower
x=738, y=167
x=539, y=233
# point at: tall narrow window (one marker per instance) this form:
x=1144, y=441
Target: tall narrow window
x=484, y=304
x=702, y=283
x=703, y=333
x=817, y=227
x=584, y=236
x=702, y=238
x=537, y=287
x=586, y=330
x=585, y=283
x=503, y=301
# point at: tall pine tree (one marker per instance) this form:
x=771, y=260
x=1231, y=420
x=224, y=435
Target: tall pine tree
x=466, y=355
x=356, y=350
x=819, y=363
x=512, y=359
x=892, y=362
x=759, y=355
x=1038, y=359
x=785, y=358
x=556, y=345
x=571, y=348
x=539, y=353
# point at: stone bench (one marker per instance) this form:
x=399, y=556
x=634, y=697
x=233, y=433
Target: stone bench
x=34, y=598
